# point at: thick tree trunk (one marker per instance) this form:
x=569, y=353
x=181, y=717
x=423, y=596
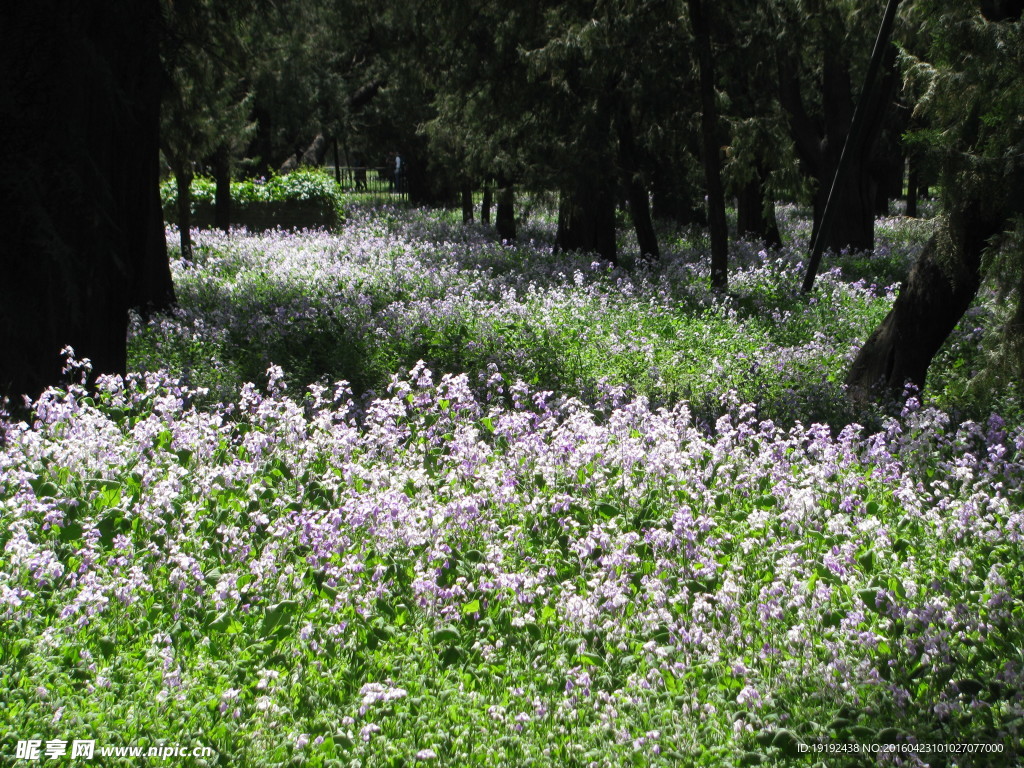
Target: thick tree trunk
x=755, y=213
x=820, y=150
x=935, y=295
x=485, y=204
x=183, y=180
x=313, y=155
x=912, y=187
x=712, y=163
x=427, y=187
x=887, y=168
x=640, y=212
x=467, y=204
x=79, y=109
x=854, y=229
x=586, y=220
x=337, y=159
x=636, y=191
x=505, y=223
x=671, y=199
x=749, y=213
x=261, y=147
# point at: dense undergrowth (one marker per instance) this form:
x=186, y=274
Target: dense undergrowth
x=599, y=527
x=397, y=286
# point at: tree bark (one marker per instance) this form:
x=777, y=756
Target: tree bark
x=640, y=212
x=712, y=163
x=467, y=204
x=485, y=204
x=912, y=187
x=636, y=191
x=505, y=222
x=313, y=155
x=755, y=213
x=820, y=144
x=337, y=160
x=586, y=220
x=935, y=295
x=183, y=180
x=1002, y=10
x=79, y=109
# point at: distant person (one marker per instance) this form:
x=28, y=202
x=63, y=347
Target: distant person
x=399, y=170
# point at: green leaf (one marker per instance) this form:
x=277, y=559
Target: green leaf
x=867, y=561
x=218, y=622
x=870, y=598
x=786, y=742
x=473, y=606
x=969, y=686
x=279, y=615
x=445, y=635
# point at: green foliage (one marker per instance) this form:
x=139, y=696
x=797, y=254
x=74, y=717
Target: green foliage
x=312, y=185
x=460, y=582
x=966, y=71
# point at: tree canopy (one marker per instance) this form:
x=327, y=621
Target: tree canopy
x=661, y=109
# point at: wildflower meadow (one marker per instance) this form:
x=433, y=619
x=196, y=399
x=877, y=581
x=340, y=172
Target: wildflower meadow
x=403, y=494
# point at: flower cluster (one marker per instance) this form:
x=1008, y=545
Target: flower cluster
x=446, y=574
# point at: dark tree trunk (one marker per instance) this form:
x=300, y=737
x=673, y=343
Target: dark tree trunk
x=640, y=212
x=467, y=204
x=485, y=204
x=262, y=146
x=749, y=210
x=1002, y=10
x=337, y=160
x=854, y=228
x=636, y=191
x=671, y=199
x=183, y=180
x=820, y=150
x=935, y=295
x=434, y=188
x=887, y=167
x=912, y=187
x=222, y=192
x=712, y=163
x=772, y=235
x=153, y=287
x=79, y=111
x=586, y=220
x=505, y=222
x=755, y=214
x=313, y=155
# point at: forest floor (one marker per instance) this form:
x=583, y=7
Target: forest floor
x=402, y=494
